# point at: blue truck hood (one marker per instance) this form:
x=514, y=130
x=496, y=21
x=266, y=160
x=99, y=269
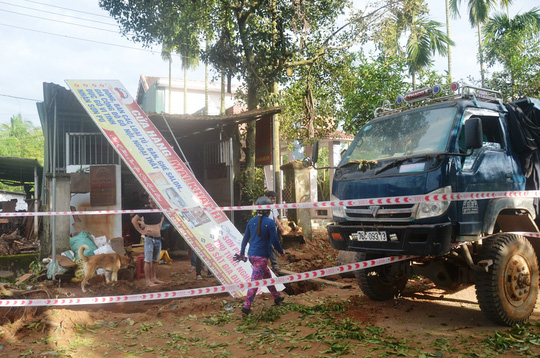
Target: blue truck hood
x=351, y=183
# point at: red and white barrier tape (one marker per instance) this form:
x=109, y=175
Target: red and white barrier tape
x=206, y=290
x=321, y=204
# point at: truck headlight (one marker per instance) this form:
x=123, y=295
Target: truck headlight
x=431, y=209
x=337, y=211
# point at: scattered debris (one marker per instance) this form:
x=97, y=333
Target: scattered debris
x=319, y=280
x=15, y=244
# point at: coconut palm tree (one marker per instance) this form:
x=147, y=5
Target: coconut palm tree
x=478, y=16
x=425, y=39
x=448, y=50
x=166, y=55
x=16, y=127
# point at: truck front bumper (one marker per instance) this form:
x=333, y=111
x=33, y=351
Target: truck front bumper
x=420, y=240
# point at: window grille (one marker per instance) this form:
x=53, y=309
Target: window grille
x=89, y=149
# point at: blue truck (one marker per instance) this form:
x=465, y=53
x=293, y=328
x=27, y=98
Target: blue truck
x=436, y=141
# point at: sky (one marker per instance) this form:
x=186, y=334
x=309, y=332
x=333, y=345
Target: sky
x=51, y=41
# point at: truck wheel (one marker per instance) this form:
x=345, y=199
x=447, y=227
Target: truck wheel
x=382, y=283
x=507, y=292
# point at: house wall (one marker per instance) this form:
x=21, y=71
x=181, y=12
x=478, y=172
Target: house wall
x=6, y=196
x=150, y=101
x=219, y=190
x=99, y=225
x=156, y=99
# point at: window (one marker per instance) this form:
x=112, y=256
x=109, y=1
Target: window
x=492, y=136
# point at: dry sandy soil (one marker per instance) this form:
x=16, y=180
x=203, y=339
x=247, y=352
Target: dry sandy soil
x=314, y=321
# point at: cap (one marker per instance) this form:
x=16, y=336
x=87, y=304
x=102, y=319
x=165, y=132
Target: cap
x=263, y=200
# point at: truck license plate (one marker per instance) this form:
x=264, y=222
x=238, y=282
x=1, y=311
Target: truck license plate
x=369, y=236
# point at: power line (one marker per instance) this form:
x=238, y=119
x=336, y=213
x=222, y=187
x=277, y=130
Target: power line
x=55, y=13
x=64, y=8
x=59, y=21
x=81, y=39
x=26, y=99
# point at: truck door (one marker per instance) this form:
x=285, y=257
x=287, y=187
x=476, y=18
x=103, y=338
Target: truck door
x=490, y=168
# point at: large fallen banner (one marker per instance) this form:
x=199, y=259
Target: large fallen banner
x=165, y=177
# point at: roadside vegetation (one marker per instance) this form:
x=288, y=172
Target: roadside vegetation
x=320, y=329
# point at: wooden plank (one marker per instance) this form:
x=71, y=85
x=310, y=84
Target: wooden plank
x=318, y=280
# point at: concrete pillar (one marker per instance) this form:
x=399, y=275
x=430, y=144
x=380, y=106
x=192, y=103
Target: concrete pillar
x=335, y=158
x=297, y=180
x=63, y=197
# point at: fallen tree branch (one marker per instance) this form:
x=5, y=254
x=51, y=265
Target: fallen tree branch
x=319, y=280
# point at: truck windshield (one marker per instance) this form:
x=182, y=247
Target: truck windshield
x=408, y=133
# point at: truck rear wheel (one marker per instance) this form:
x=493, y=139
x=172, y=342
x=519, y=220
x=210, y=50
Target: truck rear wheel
x=507, y=292
x=382, y=283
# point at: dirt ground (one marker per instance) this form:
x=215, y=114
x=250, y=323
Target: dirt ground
x=314, y=321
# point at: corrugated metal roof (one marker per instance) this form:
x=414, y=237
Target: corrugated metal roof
x=19, y=171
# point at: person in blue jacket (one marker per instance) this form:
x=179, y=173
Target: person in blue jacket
x=261, y=234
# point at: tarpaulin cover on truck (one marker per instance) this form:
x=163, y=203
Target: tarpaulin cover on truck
x=524, y=129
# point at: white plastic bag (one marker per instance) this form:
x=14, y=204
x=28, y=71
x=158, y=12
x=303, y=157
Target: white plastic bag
x=106, y=249
x=100, y=241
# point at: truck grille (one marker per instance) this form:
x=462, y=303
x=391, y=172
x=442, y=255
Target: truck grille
x=389, y=213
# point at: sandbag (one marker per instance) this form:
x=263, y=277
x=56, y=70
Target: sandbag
x=53, y=269
x=79, y=271
x=80, y=239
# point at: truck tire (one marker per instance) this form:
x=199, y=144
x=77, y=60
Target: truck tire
x=507, y=292
x=382, y=283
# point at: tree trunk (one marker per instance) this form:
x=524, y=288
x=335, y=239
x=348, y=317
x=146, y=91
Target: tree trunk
x=170, y=85
x=277, y=150
x=222, y=110
x=480, y=54
x=206, y=79
x=447, y=3
x=185, y=90
x=250, y=136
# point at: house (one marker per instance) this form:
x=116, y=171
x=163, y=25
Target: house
x=155, y=96
x=75, y=148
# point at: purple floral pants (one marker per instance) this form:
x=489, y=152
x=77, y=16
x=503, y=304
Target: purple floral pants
x=260, y=272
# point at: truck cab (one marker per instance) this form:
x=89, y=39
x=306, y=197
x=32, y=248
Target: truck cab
x=460, y=140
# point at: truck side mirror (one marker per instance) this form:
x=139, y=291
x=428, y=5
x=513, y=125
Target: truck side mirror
x=473, y=133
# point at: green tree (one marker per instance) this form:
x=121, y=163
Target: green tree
x=424, y=38
x=177, y=26
x=514, y=44
x=266, y=36
x=424, y=41
x=312, y=99
x=21, y=139
x=367, y=84
x=478, y=16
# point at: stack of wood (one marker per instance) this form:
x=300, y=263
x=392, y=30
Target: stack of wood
x=15, y=244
